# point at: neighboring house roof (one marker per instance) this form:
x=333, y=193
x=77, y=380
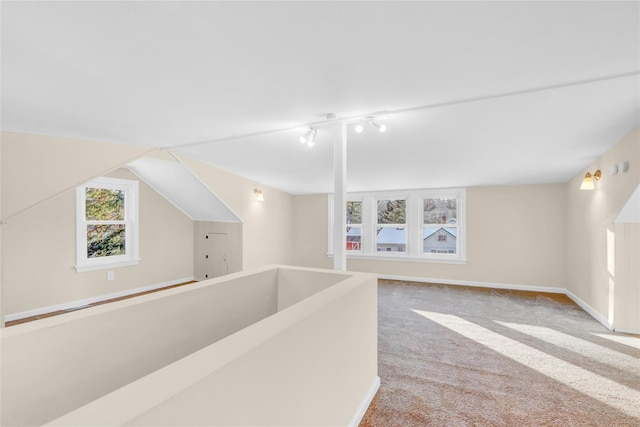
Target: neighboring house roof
x=430, y=231
x=354, y=231
x=391, y=235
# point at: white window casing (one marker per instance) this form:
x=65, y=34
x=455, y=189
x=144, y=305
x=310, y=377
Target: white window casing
x=414, y=227
x=130, y=222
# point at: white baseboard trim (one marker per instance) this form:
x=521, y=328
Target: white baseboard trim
x=627, y=331
x=364, y=405
x=84, y=302
x=586, y=307
x=552, y=290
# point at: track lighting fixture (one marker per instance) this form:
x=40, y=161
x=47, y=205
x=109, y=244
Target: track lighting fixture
x=309, y=137
x=380, y=126
x=305, y=137
x=359, y=124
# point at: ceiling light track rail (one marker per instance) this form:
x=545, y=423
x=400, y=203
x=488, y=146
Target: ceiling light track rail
x=332, y=118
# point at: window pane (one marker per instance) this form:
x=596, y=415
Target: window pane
x=104, y=205
x=391, y=239
x=440, y=211
x=354, y=238
x=105, y=240
x=392, y=211
x=354, y=212
x=439, y=240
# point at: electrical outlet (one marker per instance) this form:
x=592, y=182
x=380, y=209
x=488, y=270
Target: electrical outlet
x=109, y=275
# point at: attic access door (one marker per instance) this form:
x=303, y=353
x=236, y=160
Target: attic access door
x=216, y=255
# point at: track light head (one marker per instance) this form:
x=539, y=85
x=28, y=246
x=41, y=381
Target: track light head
x=359, y=127
x=311, y=140
x=305, y=137
x=380, y=126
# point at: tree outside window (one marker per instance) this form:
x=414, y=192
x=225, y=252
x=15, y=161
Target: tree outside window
x=354, y=225
x=440, y=225
x=106, y=230
x=106, y=224
x=391, y=235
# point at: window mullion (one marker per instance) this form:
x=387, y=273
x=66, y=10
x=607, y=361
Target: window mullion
x=414, y=230
x=368, y=226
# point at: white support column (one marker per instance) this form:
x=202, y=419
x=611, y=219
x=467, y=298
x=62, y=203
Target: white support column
x=340, y=199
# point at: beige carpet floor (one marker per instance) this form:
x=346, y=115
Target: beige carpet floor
x=463, y=356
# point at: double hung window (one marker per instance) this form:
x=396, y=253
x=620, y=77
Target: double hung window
x=440, y=225
x=106, y=224
x=354, y=225
x=391, y=226
x=416, y=225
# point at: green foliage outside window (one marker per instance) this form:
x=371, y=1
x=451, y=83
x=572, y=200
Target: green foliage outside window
x=392, y=211
x=440, y=211
x=104, y=205
x=105, y=240
x=354, y=212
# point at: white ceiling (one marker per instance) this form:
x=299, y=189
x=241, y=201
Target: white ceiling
x=478, y=93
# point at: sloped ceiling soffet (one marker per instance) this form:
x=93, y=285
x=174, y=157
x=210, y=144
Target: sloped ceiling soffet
x=177, y=184
x=630, y=212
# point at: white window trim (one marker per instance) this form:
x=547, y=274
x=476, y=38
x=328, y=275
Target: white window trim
x=414, y=226
x=361, y=225
x=83, y=263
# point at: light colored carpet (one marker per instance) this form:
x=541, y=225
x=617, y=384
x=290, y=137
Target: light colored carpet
x=462, y=356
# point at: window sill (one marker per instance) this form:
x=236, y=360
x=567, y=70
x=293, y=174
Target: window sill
x=105, y=266
x=404, y=258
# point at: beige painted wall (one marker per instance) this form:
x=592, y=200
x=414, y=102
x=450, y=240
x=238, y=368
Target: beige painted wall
x=267, y=231
x=590, y=215
x=626, y=277
x=203, y=257
x=39, y=175
x=1, y=305
x=37, y=167
x=38, y=245
x=203, y=355
x=311, y=231
x=516, y=235
x=39, y=253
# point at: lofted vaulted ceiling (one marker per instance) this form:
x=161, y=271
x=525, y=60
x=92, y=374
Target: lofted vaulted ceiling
x=477, y=93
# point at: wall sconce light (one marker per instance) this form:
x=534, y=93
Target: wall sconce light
x=309, y=137
x=588, y=180
x=258, y=194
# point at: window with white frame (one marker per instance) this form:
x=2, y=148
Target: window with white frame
x=106, y=224
x=440, y=225
x=391, y=225
x=354, y=225
x=416, y=225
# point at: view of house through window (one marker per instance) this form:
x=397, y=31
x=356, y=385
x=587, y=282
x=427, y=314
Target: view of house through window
x=354, y=225
x=410, y=224
x=440, y=226
x=391, y=235
x=106, y=224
